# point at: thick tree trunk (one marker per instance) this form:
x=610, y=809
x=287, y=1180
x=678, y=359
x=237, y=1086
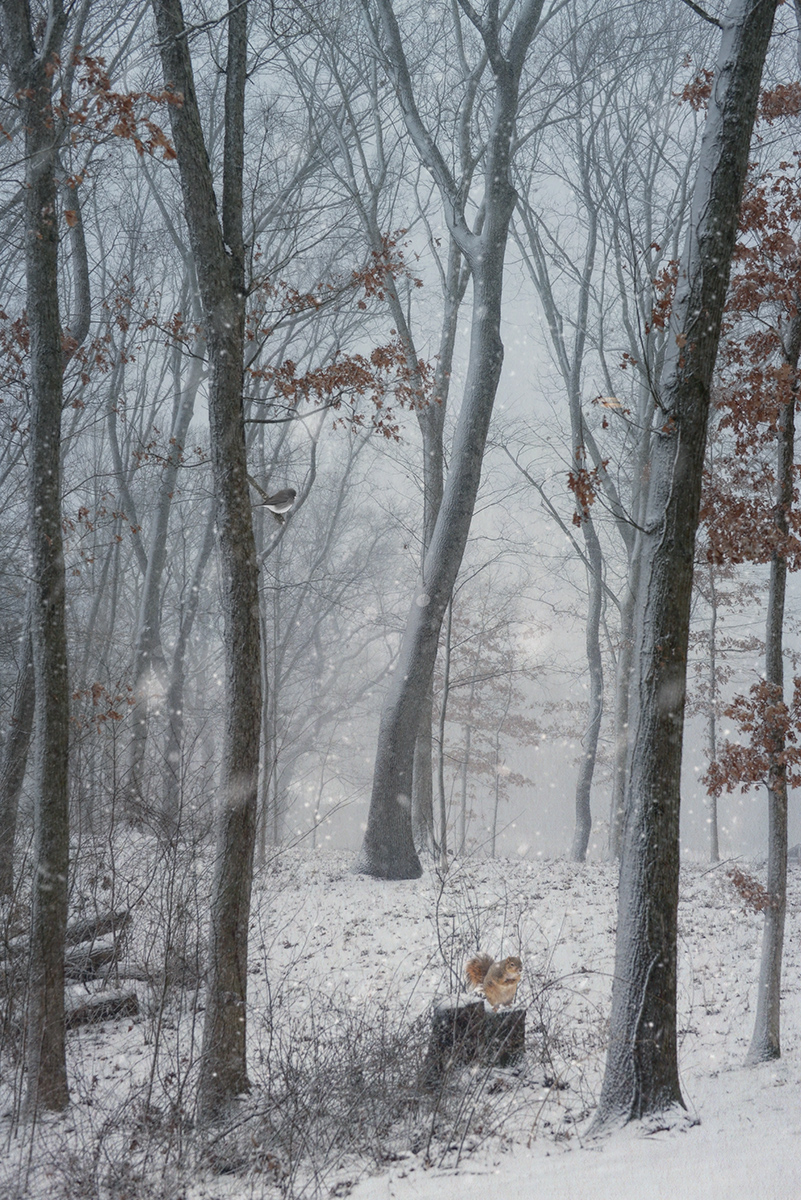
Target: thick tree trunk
x=423, y=778
x=431, y=420
x=766, y=1040
x=641, y=1077
x=219, y=261
x=388, y=850
x=30, y=71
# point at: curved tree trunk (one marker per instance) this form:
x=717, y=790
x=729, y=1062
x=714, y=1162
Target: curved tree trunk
x=388, y=850
x=641, y=1077
x=432, y=426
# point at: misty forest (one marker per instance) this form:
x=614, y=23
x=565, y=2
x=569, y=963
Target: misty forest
x=398, y=520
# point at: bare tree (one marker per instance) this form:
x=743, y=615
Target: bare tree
x=641, y=1076
x=388, y=849
x=219, y=256
x=31, y=68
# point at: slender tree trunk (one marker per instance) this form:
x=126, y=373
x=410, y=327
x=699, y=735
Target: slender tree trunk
x=443, y=710
x=388, y=850
x=148, y=654
x=641, y=1077
x=218, y=252
x=468, y=734
x=581, y=836
x=30, y=68
x=766, y=1040
x=173, y=745
x=15, y=759
x=623, y=680
x=15, y=751
x=712, y=716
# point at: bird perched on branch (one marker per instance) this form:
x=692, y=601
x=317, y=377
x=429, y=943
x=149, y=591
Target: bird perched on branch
x=497, y=980
x=278, y=504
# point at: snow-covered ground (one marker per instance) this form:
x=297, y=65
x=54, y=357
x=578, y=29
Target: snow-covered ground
x=342, y=966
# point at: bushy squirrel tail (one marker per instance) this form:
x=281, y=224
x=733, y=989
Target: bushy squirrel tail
x=477, y=968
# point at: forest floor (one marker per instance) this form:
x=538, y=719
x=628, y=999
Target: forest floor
x=343, y=972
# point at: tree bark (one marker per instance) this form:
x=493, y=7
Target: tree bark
x=712, y=716
x=388, y=850
x=218, y=251
x=15, y=759
x=174, y=739
x=30, y=68
x=581, y=835
x=641, y=1077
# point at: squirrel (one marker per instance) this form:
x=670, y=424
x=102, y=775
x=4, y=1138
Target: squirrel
x=497, y=980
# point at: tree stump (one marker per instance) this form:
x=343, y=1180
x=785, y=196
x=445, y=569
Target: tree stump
x=471, y=1033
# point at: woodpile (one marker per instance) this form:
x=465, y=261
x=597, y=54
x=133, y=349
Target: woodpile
x=93, y=954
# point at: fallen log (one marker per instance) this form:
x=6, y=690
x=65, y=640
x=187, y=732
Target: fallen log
x=467, y=1033
x=88, y=929
x=93, y=1007
x=82, y=929
x=83, y=962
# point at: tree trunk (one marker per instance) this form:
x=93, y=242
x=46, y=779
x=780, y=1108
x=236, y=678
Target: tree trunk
x=219, y=261
x=581, y=836
x=623, y=681
x=388, y=850
x=148, y=653
x=766, y=1040
x=641, y=1077
x=173, y=743
x=431, y=420
x=443, y=711
x=712, y=716
x=423, y=778
x=468, y=734
x=30, y=70
x=15, y=759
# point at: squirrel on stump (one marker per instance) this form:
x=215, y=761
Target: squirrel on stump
x=497, y=980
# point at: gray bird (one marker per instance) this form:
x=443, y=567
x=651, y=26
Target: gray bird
x=280, y=503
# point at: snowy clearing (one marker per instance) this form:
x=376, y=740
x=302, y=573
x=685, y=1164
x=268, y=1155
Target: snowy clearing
x=344, y=957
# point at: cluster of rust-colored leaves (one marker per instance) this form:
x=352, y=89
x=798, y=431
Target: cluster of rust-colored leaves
x=357, y=386
x=584, y=483
x=97, y=705
x=753, y=895
x=772, y=728
x=756, y=382
x=102, y=110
